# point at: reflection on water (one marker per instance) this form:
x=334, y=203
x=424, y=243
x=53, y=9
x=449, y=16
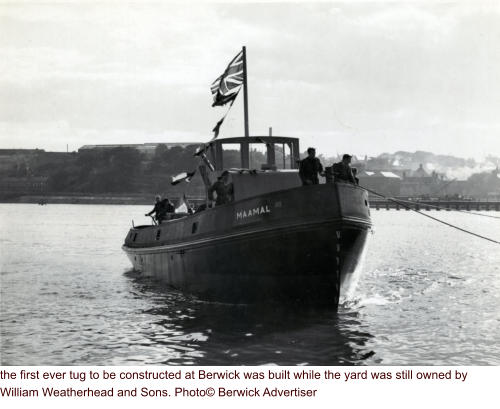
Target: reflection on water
x=428, y=295
x=191, y=331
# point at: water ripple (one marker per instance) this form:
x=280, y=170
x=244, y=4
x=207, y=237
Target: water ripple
x=427, y=297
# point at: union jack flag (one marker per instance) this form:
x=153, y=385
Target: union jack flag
x=226, y=87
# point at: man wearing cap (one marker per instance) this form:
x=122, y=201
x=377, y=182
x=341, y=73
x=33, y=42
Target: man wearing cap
x=222, y=188
x=342, y=170
x=309, y=168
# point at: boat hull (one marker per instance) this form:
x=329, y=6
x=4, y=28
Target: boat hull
x=299, y=255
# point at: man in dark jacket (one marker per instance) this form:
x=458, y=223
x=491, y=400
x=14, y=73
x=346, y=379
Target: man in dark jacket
x=342, y=170
x=309, y=168
x=223, y=189
x=162, y=207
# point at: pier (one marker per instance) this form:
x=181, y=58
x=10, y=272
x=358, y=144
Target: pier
x=405, y=204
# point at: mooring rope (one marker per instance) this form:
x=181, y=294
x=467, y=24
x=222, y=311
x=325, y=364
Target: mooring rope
x=430, y=217
x=446, y=208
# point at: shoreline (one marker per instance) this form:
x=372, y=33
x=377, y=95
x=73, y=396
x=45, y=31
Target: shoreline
x=84, y=199
x=141, y=200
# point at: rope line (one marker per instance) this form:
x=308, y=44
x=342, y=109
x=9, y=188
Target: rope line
x=433, y=218
x=443, y=208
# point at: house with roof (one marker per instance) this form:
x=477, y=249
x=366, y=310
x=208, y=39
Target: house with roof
x=384, y=182
x=420, y=183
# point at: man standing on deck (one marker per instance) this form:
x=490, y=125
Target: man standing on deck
x=222, y=188
x=343, y=171
x=309, y=168
x=162, y=207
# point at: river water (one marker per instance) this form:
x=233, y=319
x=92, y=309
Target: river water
x=429, y=295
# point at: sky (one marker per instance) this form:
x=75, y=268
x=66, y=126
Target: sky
x=357, y=77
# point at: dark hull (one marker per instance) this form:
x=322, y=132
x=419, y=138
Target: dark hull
x=300, y=254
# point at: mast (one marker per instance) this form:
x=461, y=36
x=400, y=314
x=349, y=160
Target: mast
x=245, y=151
x=245, y=90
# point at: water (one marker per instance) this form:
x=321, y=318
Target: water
x=429, y=295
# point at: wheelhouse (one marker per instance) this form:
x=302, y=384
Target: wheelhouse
x=281, y=148
x=276, y=170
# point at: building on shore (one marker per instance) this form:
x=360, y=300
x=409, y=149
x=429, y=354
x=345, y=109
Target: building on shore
x=384, y=182
x=421, y=183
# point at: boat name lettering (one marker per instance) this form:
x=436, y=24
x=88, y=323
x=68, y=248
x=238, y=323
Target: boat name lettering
x=243, y=214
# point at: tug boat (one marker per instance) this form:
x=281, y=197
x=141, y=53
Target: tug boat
x=276, y=242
